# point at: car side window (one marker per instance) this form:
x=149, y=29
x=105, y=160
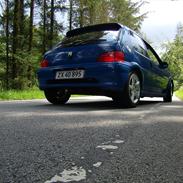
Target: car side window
x=125, y=39
x=152, y=57
x=138, y=44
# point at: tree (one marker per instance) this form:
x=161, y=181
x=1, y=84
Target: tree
x=31, y=25
x=70, y=14
x=126, y=12
x=15, y=40
x=29, y=69
x=52, y=23
x=7, y=44
x=174, y=56
x=44, y=25
x=87, y=12
x=28, y=28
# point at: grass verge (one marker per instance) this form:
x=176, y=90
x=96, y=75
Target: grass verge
x=21, y=95
x=34, y=93
x=179, y=94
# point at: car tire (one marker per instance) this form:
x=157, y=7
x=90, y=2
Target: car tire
x=57, y=97
x=131, y=94
x=169, y=93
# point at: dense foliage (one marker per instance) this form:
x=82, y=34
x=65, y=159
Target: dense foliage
x=30, y=27
x=174, y=56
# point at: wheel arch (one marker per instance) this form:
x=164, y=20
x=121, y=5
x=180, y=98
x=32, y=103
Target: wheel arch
x=171, y=80
x=171, y=83
x=138, y=70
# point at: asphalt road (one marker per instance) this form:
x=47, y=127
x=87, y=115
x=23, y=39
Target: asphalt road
x=91, y=141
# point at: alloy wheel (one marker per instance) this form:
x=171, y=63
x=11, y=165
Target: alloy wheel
x=134, y=88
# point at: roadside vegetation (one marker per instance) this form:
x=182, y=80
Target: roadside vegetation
x=173, y=54
x=179, y=94
x=34, y=93
x=29, y=28
x=28, y=94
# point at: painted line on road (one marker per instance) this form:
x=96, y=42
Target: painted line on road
x=74, y=174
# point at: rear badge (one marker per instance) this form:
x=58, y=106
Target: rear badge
x=70, y=54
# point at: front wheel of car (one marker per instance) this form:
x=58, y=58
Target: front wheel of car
x=57, y=96
x=169, y=93
x=131, y=94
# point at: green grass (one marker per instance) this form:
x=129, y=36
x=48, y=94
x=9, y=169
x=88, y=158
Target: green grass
x=34, y=93
x=21, y=95
x=179, y=94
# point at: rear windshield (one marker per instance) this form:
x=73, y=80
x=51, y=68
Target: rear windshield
x=90, y=37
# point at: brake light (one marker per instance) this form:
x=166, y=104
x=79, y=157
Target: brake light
x=44, y=63
x=113, y=56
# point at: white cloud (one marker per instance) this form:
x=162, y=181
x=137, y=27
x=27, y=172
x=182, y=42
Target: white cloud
x=162, y=19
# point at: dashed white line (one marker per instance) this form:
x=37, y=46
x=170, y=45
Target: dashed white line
x=107, y=147
x=118, y=141
x=98, y=164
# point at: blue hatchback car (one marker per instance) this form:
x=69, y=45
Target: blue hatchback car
x=105, y=59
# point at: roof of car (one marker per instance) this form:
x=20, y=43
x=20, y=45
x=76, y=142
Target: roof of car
x=92, y=28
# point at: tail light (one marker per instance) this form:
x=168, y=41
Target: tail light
x=113, y=56
x=44, y=63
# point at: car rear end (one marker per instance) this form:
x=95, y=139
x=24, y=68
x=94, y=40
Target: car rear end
x=85, y=62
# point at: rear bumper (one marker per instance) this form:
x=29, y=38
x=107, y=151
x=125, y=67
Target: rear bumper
x=99, y=79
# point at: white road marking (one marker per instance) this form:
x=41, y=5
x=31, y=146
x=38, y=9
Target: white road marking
x=108, y=142
x=73, y=174
x=97, y=164
x=118, y=141
x=107, y=147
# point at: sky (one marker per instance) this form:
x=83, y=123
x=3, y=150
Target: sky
x=162, y=19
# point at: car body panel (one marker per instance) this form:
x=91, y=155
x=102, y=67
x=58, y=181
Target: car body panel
x=106, y=78
x=81, y=53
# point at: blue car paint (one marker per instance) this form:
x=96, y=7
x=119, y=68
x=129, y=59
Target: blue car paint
x=111, y=77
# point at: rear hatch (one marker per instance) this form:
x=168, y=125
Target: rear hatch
x=83, y=48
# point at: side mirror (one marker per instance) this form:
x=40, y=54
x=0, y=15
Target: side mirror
x=164, y=65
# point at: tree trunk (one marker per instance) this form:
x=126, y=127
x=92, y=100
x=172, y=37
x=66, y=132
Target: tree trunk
x=92, y=12
x=31, y=25
x=44, y=26
x=7, y=44
x=15, y=40
x=52, y=23
x=18, y=39
x=29, y=69
x=21, y=20
x=70, y=14
x=81, y=16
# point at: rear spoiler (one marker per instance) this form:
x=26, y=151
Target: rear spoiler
x=92, y=28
